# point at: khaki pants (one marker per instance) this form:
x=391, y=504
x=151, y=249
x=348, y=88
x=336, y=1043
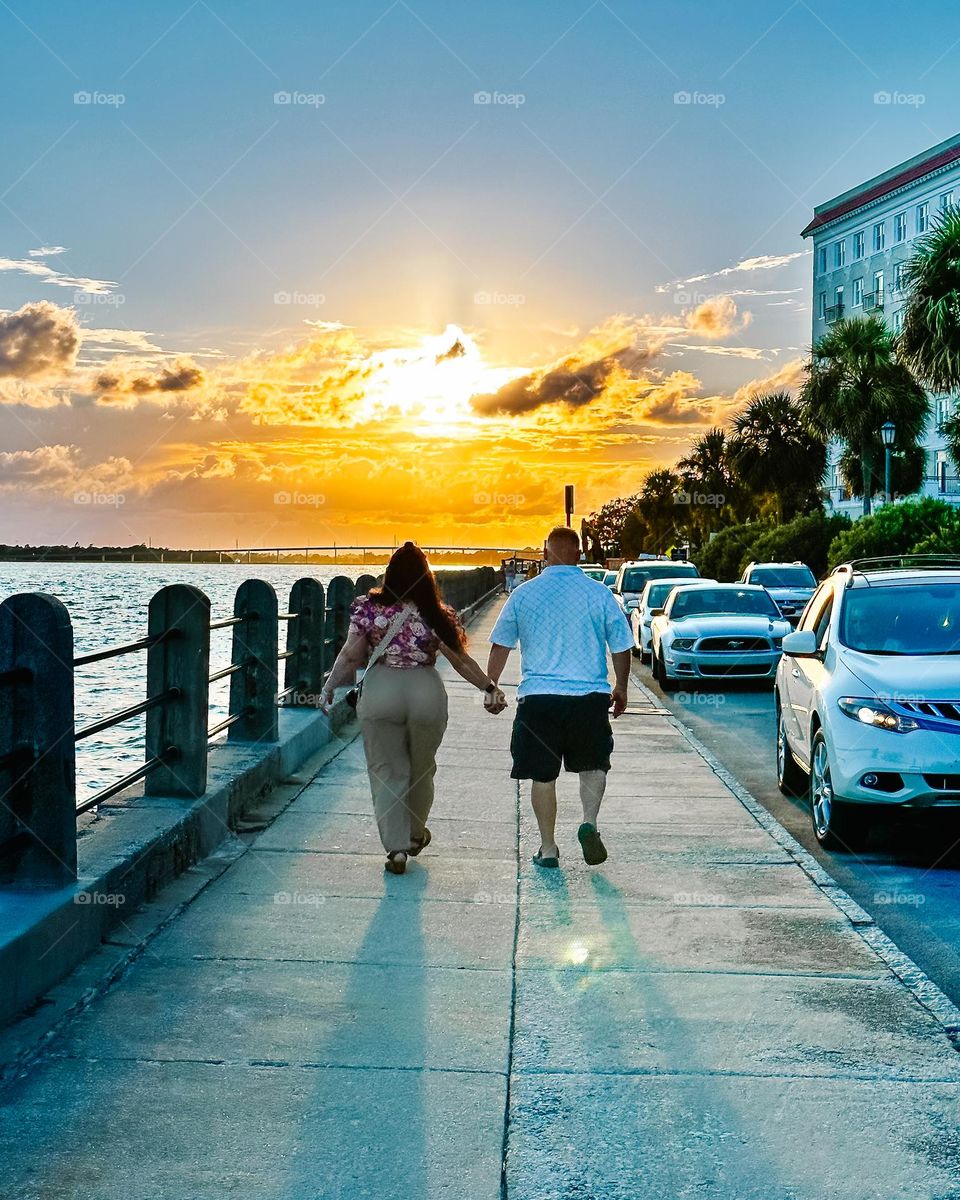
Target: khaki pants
x=403, y=715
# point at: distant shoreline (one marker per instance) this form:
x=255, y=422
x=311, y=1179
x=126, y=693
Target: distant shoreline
x=156, y=556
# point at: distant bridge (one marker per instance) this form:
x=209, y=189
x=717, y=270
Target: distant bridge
x=301, y=555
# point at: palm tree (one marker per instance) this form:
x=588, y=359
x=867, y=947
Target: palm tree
x=929, y=340
x=774, y=453
x=652, y=524
x=710, y=482
x=854, y=384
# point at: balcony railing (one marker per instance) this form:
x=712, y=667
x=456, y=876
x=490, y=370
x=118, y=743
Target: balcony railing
x=833, y=313
x=872, y=301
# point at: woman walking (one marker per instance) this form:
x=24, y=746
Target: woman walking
x=398, y=629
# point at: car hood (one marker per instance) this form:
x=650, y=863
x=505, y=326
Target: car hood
x=708, y=625
x=906, y=676
x=791, y=593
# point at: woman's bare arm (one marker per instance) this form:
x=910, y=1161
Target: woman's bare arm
x=355, y=652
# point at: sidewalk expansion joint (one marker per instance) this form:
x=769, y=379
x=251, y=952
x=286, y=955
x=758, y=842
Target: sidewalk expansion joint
x=511, y=1035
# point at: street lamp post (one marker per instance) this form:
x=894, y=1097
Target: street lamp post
x=888, y=431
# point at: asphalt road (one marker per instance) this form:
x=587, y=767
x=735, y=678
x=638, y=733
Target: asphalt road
x=908, y=875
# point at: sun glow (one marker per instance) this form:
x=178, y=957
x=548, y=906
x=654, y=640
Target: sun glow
x=431, y=384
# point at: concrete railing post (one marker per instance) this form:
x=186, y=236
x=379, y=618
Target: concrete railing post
x=340, y=595
x=180, y=616
x=253, y=691
x=304, y=669
x=38, y=806
x=364, y=584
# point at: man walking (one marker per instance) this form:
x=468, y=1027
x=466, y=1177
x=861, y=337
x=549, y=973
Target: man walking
x=564, y=623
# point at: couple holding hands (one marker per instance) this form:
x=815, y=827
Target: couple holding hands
x=564, y=624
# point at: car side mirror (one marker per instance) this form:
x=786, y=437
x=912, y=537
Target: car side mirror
x=656, y=612
x=802, y=643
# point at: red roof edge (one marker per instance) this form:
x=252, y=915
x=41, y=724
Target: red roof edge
x=943, y=159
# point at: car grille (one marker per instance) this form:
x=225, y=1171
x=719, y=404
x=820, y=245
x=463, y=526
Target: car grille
x=943, y=783
x=727, y=669
x=939, y=710
x=733, y=645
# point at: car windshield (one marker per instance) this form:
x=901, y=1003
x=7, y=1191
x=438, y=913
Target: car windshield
x=917, y=618
x=610, y=578
x=782, y=577
x=635, y=578
x=595, y=573
x=657, y=593
x=742, y=601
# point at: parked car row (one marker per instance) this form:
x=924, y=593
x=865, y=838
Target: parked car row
x=866, y=687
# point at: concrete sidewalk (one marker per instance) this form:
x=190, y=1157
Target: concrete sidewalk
x=695, y=1018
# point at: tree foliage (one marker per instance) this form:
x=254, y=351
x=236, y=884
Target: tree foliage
x=911, y=527
x=929, y=339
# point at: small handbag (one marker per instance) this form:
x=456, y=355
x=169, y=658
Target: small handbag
x=353, y=696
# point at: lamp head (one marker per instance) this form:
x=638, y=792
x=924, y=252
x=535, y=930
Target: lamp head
x=888, y=431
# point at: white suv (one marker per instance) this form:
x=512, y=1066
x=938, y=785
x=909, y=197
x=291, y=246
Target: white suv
x=868, y=694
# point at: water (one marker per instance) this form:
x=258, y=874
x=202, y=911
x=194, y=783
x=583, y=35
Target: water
x=108, y=606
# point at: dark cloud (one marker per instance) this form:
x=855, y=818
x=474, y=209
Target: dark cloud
x=181, y=377
x=457, y=350
x=39, y=339
x=563, y=384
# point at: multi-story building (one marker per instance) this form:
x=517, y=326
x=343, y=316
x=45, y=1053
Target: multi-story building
x=861, y=240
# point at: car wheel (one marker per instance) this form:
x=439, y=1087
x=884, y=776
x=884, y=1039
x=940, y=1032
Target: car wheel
x=836, y=825
x=791, y=778
x=668, y=684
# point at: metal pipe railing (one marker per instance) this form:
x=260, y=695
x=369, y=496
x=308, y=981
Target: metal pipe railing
x=38, y=730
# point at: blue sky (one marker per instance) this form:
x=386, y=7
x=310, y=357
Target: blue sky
x=393, y=202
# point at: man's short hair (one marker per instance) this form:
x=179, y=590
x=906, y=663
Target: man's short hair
x=563, y=533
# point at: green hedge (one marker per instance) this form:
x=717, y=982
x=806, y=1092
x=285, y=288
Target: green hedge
x=807, y=539
x=924, y=526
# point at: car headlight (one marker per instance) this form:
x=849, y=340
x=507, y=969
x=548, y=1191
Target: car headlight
x=872, y=712
x=683, y=643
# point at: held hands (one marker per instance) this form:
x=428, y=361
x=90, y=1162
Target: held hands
x=494, y=702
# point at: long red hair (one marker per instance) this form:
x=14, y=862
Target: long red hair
x=408, y=579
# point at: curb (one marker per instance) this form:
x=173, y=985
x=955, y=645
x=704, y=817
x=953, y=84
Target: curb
x=922, y=987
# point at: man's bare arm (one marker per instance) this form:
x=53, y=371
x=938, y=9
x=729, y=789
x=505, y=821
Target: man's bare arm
x=498, y=660
x=621, y=671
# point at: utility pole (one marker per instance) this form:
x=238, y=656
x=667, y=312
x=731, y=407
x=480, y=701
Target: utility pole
x=568, y=503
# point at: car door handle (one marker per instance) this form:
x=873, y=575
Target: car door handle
x=795, y=672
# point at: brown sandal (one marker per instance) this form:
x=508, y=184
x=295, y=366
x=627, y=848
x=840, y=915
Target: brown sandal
x=421, y=843
x=396, y=862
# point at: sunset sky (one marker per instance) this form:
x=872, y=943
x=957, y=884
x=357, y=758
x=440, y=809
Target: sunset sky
x=298, y=273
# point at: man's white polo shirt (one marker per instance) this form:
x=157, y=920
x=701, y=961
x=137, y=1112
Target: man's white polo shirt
x=564, y=622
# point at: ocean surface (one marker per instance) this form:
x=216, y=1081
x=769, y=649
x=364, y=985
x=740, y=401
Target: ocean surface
x=108, y=606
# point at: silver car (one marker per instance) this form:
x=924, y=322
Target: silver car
x=727, y=631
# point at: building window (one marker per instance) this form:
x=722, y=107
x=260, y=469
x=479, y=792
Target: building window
x=858, y=244
x=821, y=260
x=898, y=320
x=879, y=238
x=839, y=253
x=858, y=293
x=923, y=217
x=898, y=276
x=946, y=201
x=878, y=289
x=822, y=305
x=942, y=474
x=900, y=227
